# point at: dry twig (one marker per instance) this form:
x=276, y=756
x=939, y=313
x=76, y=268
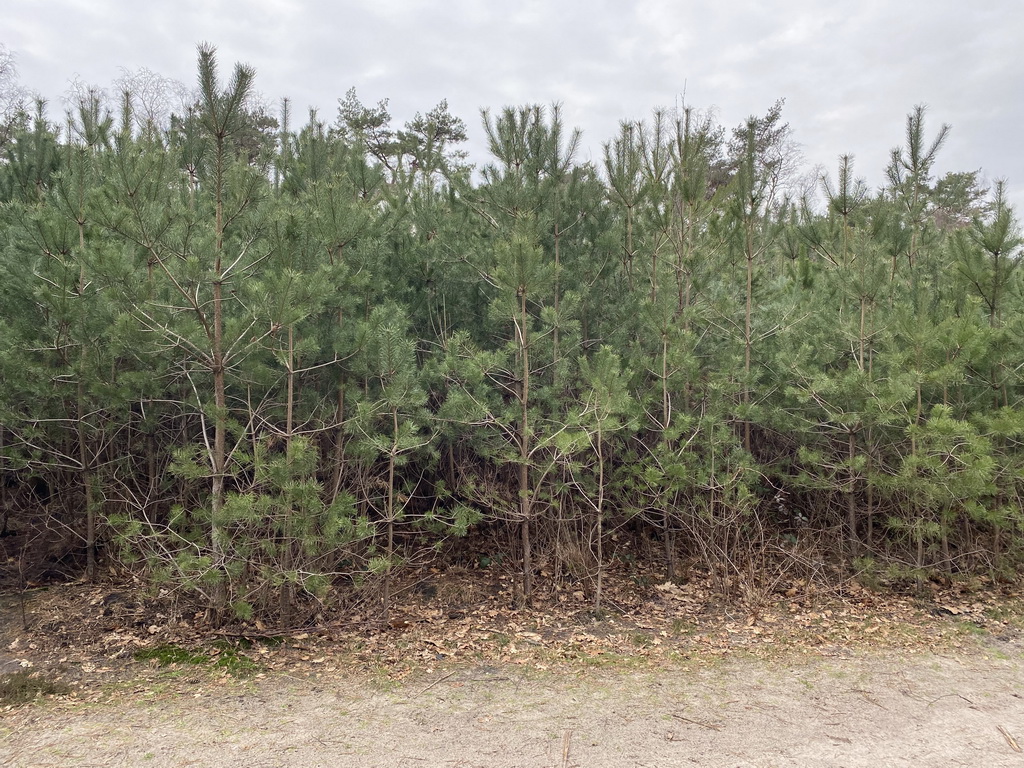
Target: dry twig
x=709, y=726
x=439, y=680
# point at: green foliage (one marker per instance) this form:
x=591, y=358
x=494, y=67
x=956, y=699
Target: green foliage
x=272, y=365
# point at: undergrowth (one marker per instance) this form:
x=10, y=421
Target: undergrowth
x=24, y=686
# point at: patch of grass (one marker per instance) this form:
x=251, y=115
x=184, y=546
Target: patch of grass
x=970, y=628
x=380, y=676
x=642, y=640
x=613, y=659
x=581, y=658
x=1010, y=613
x=24, y=686
x=682, y=627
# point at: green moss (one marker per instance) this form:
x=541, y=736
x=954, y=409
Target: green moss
x=225, y=655
x=166, y=655
x=230, y=659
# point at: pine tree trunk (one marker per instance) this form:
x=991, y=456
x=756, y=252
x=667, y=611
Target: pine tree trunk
x=88, y=488
x=555, y=355
x=851, y=499
x=525, y=501
x=747, y=338
x=390, y=511
x=666, y=512
x=83, y=453
x=599, y=522
x=219, y=454
x=287, y=594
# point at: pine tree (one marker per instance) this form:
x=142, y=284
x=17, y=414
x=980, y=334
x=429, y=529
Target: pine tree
x=199, y=236
x=605, y=410
x=392, y=427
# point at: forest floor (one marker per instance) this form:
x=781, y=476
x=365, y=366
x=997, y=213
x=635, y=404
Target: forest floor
x=665, y=676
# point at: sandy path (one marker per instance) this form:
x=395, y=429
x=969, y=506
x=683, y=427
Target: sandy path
x=870, y=711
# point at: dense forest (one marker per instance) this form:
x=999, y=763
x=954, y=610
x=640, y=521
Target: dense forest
x=265, y=366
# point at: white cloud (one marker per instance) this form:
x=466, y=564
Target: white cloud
x=850, y=73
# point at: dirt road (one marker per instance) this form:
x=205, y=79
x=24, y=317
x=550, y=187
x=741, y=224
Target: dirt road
x=885, y=710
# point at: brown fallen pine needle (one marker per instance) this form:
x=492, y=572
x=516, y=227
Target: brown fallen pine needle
x=709, y=726
x=1009, y=739
x=871, y=700
x=566, y=740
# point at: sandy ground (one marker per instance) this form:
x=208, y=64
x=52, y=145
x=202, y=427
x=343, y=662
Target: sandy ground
x=868, y=710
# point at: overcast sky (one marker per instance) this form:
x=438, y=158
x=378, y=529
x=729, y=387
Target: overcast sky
x=849, y=72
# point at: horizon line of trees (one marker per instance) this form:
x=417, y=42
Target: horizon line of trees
x=268, y=366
